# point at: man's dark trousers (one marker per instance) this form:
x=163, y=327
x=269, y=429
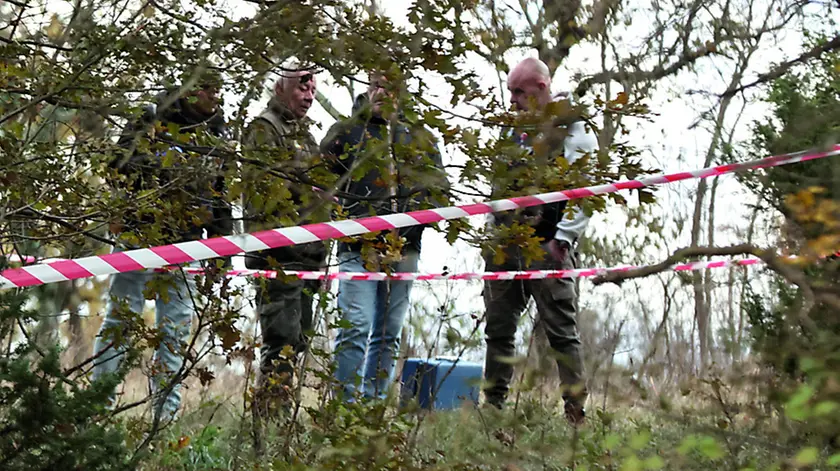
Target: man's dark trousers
x=284, y=308
x=556, y=301
x=285, y=312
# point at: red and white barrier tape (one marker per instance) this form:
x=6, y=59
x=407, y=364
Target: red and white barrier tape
x=499, y=275
x=14, y=258
x=18, y=259
x=184, y=252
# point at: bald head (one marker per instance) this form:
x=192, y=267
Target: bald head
x=296, y=90
x=530, y=85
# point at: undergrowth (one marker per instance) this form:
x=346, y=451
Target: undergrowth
x=532, y=436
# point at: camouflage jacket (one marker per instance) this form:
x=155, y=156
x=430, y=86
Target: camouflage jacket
x=282, y=153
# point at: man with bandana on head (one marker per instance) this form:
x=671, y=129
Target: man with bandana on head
x=279, y=139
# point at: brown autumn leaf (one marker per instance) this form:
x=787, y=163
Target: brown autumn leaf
x=228, y=335
x=205, y=376
x=180, y=444
x=622, y=99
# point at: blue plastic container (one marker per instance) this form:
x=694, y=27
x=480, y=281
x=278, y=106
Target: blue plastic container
x=440, y=383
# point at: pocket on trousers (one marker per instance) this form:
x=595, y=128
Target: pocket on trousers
x=561, y=288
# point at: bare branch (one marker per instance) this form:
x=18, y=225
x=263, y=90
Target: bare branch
x=36, y=44
x=784, y=67
x=773, y=261
x=177, y=16
x=328, y=107
x=61, y=222
x=563, y=14
x=658, y=72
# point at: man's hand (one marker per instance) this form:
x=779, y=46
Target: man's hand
x=323, y=194
x=559, y=250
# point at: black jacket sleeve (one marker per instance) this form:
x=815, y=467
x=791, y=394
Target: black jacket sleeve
x=129, y=137
x=332, y=148
x=437, y=187
x=222, y=212
x=222, y=224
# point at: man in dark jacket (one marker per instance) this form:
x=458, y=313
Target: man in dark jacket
x=386, y=166
x=556, y=299
x=184, y=197
x=280, y=150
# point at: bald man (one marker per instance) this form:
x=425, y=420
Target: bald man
x=279, y=138
x=534, y=170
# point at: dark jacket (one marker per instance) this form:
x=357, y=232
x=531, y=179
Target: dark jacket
x=364, y=146
x=189, y=186
x=522, y=181
x=276, y=139
x=528, y=172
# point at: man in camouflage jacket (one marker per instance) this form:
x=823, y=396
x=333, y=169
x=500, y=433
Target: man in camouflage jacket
x=280, y=151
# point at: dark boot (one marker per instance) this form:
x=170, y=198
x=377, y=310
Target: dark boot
x=272, y=401
x=575, y=412
x=495, y=401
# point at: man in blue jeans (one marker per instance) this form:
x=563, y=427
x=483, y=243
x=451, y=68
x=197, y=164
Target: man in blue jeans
x=188, y=186
x=173, y=318
x=404, y=173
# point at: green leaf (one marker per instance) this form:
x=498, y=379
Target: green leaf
x=433, y=119
x=834, y=460
x=640, y=440
x=511, y=360
x=55, y=28
x=825, y=408
x=795, y=407
x=16, y=128
x=343, y=324
x=607, y=418
x=453, y=337
x=612, y=441
x=632, y=463
x=654, y=462
x=469, y=138
x=807, y=456
x=709, y=447
x=410, y=115
x=808, y=364
x=168, y=159
x=646, y=197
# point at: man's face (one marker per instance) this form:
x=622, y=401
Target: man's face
x=298, y=93
x=206, y=100
x=526, y=92
x=379, y=93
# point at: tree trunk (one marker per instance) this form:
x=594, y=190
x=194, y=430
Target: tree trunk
x=707, y=281
x=78, y=342
x=701, y=303
x=732, y=338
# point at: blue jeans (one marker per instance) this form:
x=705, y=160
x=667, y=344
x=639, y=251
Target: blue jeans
x=173, y=319
x=377, y=318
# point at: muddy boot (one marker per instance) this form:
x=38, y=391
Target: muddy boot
x=575, y=413
x=273, y=400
